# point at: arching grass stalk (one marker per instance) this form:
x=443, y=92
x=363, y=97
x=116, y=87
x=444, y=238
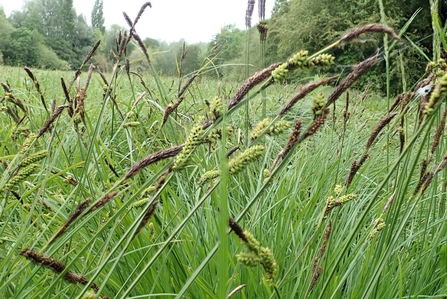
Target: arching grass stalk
x=248, y=15
x=262, y=29
x=437, y=30
x=222, y=202
x=387, y=69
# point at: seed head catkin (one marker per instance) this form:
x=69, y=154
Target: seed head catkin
x=194, y=139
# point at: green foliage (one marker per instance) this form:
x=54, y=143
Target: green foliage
x=97, y=16
x=66, y=34
x=21, y=49
x=6, y=29
x=227, y=44
x=191, y=61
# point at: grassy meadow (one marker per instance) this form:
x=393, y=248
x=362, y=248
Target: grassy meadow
x=129, y=185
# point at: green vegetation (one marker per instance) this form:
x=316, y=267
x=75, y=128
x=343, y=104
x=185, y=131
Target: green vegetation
x=129, y=183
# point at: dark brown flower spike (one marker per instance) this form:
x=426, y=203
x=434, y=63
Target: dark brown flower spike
x=354, y=168
x=317, y=124
x=56, y=266
x=252, y=82
x=36, y=85
x=369, y=28
x=186, y=85
x=316, y=272
x=81, y=208
x=49, y=122
x=128, y=20
x=304, y=91
x=171, y=108
x=142, y=46
x=150, y=211
x=6, y=87
x=102, y=202
x=358, y=71
x=292, y=140
x=382, y=123
x=140, y=13
x=249, y=13
x=91, y=53
x=237, y=229
x=439, y=132
x=152, y=158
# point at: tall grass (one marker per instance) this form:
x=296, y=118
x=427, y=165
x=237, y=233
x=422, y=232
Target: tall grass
x=120, y=186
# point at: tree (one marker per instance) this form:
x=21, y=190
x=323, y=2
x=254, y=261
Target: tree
x=6, y=29
x=98, y=16
x=227, y=44
x=21, y=50
x=191, y=61
x=313, y=24
x=56, y=20
x=83, y=42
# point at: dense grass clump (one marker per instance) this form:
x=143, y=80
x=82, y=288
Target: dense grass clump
x=129, y=185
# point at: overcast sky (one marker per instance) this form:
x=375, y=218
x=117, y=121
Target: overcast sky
x=169, y=20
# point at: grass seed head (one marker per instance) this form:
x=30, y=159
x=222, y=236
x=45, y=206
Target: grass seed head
x=34, y=158
x=194, y=139
x=238, y=163
x=208, y=176
x=435, y=97
x=260, y=128
x=379, y=224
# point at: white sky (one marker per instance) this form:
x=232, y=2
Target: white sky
x=168, y=20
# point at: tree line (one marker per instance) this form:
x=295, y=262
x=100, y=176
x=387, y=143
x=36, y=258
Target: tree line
x=49, y=34
x=314, y=24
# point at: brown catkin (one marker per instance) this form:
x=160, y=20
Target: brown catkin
x=55, y=266
x=369, y=28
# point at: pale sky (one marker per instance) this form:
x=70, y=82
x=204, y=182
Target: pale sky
x=168, y=20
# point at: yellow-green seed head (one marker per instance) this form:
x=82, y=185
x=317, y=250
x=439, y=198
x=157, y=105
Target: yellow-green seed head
x=269, y=263
x=253, y=244
x=208, y=176
x=259, y=129
x=249, y=259
x=323, y=60
x=318, y=104
x=216, y=108
x=141, y=202
x=279, y=127
x=299, y=59
x=440, y=88
x=20, y=176
x=338, y=190
x=149, y=189
x=379, y=224
x=214, y=135
x=194, y=139
x=249, y=155
x=33, y=158
x=280, y=73
x=151, y=229
x=132, y=124
x=130, y=114
x=89, y=295
x=26, y=145
x=266, y=173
